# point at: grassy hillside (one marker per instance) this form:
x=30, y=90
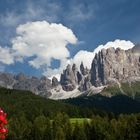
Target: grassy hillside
x=30, y=117
x=15, y=102
x=130, y=89
x=112, y=90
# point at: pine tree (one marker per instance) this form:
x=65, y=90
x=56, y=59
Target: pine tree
x=41, y=128
x=19, y=128
x=137, y=128
x=87, y=129
x=78, y=133
x=59, y=134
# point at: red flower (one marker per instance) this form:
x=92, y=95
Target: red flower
x=3, y=130
x=3, y=122
x=2, y=137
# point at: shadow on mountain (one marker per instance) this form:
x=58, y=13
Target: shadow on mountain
x=116, y=104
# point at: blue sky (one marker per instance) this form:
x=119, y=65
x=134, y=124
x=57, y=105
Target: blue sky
x=93, y=22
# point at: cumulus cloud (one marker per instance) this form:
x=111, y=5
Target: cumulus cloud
x=123, y=44
x=83, y=56
x=86, y=57
x=39, y=43
x=6, y=56
x=42, y=42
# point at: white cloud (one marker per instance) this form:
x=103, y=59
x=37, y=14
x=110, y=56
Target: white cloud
x=83, y=56
x=87, y=56
x=6, y=56
x=123, y=44
x=43, y=41
x=40, y=42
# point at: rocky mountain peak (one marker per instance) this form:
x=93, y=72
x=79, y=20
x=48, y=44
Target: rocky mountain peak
x=136, y=50
x=83, y=70
x=20, y=81
x=115, y=64
x=20, y=77
x=74, y=68
x=71, y=78
x=109, y=66
x=67, y=79
x=55, y=82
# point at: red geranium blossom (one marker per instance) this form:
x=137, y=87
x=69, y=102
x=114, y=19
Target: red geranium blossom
x=3, y=122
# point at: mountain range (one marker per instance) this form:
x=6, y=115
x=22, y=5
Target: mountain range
x=111, y=68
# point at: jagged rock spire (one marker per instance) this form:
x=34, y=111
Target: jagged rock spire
x=71, y=77
x=83, y=70
x=67, y=79
x=55, y=82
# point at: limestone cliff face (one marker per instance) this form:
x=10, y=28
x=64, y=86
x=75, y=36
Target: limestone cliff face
x=84, y=71
x=108, y=66
x=68, y=78
x=72, y=78
x=111, y=64
x=55, y=82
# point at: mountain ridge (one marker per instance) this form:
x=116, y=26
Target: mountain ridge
x=109, y=67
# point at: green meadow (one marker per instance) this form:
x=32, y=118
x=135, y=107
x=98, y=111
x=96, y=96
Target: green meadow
x=79, y=120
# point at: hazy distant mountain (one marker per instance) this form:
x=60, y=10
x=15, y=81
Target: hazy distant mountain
x=39, y=86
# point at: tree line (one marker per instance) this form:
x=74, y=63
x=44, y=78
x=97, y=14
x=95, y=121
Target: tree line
x=124, y=127
x=31, y=117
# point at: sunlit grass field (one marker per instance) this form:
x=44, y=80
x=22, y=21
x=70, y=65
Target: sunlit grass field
x=79, y=120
